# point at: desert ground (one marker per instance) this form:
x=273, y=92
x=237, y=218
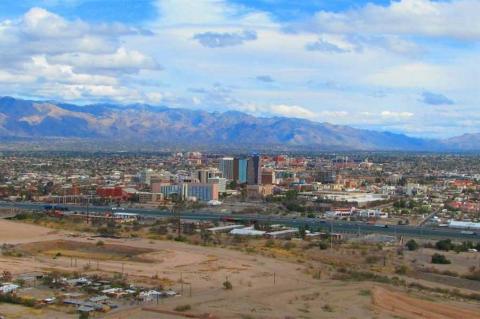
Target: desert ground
x=263, y=286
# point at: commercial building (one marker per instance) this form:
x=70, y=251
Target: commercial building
x=259, y=191
x=221, y=182
x=240, y=170
x=204, y=174
x=202, y=192
x=254, y=175
x=268, y=177
x=226, y=167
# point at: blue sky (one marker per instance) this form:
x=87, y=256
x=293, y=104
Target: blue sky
x=407, y=66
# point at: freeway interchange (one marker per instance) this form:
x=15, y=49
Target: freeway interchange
x=337, y=226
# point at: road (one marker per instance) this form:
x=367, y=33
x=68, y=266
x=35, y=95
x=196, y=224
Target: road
x=313, y=223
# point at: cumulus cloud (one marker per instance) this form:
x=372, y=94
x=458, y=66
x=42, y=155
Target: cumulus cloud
x=69, y=59
x=126, y=61
x=452, y=19
x=221, y=40
x=435, y=99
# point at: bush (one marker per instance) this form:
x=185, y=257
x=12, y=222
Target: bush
x=323, y=245
x=411, y=245
x=440, y=259
x=227, y=285
x=445, y=245
x=100, y=243
x=327, y=308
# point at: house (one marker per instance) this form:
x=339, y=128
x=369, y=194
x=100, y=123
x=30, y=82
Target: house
x=8, y=288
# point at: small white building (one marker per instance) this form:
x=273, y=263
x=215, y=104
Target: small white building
x=247, y=231
x=463, y=225
x=8, y=288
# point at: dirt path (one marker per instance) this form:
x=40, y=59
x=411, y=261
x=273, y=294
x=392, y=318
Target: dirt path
x=401, y=305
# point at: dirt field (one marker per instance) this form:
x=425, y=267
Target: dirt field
x=11, y=232
x=263, y=287
x=403, y=306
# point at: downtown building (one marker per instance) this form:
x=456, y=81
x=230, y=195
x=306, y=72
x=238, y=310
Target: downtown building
x=226, y=166
x=254, y=173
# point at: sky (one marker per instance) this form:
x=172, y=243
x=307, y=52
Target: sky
x=406, y=66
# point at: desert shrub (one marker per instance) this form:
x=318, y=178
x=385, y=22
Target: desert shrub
x=411, y=245
x=445, y=245
x=440, y=259
x=327, y=308
x=323, y=245
x=227, y=285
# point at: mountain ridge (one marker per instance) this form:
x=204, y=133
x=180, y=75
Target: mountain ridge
x=161, y=124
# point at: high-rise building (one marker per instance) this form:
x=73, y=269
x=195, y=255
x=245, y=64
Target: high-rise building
x=254, y=176
x=240, y=170
x=226, y=166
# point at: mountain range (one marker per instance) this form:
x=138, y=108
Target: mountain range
x=161, y=125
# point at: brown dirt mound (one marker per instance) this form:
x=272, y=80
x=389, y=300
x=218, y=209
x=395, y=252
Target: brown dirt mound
x=401, y=305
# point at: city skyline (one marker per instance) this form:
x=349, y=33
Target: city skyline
x=402, y=66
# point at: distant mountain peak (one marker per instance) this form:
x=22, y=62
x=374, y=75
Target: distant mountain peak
x=174, y=126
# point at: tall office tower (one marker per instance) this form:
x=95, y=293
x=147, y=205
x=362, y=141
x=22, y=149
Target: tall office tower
x=254, y=176
x=241, y=176
x=226, y=167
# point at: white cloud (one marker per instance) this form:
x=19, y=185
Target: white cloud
x=453, y=19
x=123, y=60
x=279, y=110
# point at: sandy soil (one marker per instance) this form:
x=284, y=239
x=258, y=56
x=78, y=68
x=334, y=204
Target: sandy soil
x=15, y=232
x=263, y=287
x=461, y=262
x=401, y=305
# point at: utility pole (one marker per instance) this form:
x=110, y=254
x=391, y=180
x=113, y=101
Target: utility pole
x=181, y=281
x=331, y=234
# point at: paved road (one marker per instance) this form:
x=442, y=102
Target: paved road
x=326, y=225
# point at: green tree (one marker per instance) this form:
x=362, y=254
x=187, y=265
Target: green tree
x=412, y=245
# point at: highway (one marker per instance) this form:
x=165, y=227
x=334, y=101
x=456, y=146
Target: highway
x=313, y=223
